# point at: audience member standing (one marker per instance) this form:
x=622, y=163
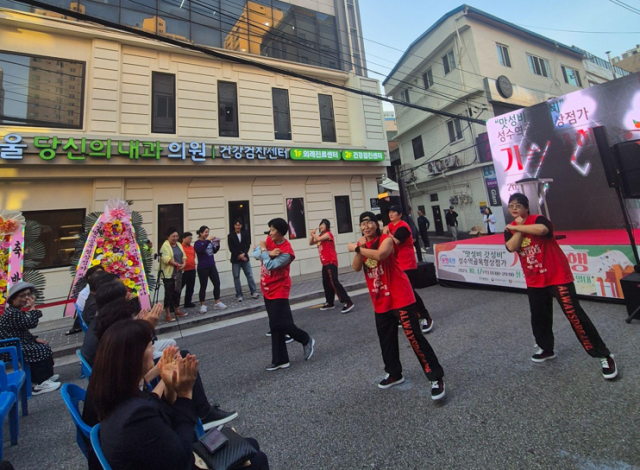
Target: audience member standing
x=490, y=221
x=239, y=244
x=452, y=222
x=189, y=273
x=172, y=261
x=415, y=235
x=329, y=259
x=277, y=255
x=423, y=226
x=548, y=276
x=205, y=248
x=403, y=242
x=393, y=301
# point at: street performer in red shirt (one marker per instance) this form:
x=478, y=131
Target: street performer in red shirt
x=548, y=275
x=393, y=300
x=403, y=240
x=277, y=255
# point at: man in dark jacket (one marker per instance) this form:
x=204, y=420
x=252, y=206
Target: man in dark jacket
x=423, y=226
x=414, y=234
x=452, y=222
x=239, y=244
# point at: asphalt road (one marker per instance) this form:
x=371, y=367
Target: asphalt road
x=502, y=411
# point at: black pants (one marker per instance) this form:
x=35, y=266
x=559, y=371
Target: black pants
x=387, y=326
x=258, y=461
x=425, y=239
x=188, y=281
x=416, y=245
x=281, y=324
x=423, y=313
x=332, y=286
x=41, y=370
x=204, y=274
x=541, y=304
x=171, y=295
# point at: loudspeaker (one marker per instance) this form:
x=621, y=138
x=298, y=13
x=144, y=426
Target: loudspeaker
x=628, y=161
x=606, y=156
x=631, y=290
x=426, y=275
x=385, y=204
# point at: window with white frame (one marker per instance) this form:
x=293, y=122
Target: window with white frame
x=571, y=76
x=503, y=55
x=448, y=62
x=427, y=78
x=539, y=66
x=455, y=130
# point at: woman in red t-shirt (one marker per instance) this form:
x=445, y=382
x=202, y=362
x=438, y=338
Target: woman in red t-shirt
x=548, y=275
x=329, y=259
x=393, y=300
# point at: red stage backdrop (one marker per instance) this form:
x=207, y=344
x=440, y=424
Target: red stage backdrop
x=555, y=140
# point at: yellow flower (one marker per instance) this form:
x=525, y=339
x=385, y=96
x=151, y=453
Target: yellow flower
x=130, y=263
x=99, y=250
x=137, y=270
x=95, y=262
x=2, y=301
x=3, y=282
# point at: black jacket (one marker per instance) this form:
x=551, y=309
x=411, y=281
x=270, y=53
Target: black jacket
x=423, y=224
x=238, y=247
x=451, y=218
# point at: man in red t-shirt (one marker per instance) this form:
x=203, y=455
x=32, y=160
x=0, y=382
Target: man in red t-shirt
x=404, y=243
x=393, y=301
x=548, y=275
x=329, y=259
x=189, y=273
x=277, y=255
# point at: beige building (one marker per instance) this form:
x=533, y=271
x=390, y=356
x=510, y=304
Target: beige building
x=470, y=64
x=189, y=140
x=629, y=61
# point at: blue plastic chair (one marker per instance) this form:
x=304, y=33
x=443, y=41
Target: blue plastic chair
x=85, y=370
x=15, y=381
x=72, y=396
x=83, y=325
x=95, y=443
x=23, y=364
x=8, y=405
x=199, y=429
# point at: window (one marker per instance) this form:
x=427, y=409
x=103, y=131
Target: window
x=281, y=114
x=433, y=197
x=571, y=76
x=22, y=104
x=228, y=109
x=418, y=149
x=296, y=218
x=169, y=215
x=163, y=114
x=60, y=231
x=449, y=62
x=427, y=78
x=343, y=214
x=539, y=66
x=405, y=96
x=455, y=130
x=503, y=55
x=327, y=122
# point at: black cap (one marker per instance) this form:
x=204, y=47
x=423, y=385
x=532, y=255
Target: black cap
x=372, y=217
x=395, y=208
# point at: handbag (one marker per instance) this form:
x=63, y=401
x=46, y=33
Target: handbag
x=235, y=452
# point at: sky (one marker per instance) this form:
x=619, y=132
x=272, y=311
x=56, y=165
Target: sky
x=399, y=25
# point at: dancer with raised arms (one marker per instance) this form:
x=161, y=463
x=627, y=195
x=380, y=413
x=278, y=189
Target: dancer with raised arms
x=393, y=300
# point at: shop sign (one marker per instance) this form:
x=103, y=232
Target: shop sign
x=314, y=154
x=252, y=153
x=362, y=155
x=491, y=183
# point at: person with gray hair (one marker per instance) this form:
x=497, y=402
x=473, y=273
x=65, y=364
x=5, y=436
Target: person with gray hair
x=18, y=318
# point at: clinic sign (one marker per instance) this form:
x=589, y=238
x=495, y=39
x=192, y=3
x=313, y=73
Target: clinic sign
x=13, y=148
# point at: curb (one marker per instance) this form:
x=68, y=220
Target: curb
x=198, y=320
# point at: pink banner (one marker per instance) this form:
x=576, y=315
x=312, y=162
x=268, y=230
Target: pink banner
x=16, y=257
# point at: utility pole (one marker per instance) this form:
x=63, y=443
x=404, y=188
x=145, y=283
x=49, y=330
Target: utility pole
x=613, y=68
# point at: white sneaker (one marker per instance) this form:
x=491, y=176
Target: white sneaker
x=255, y=295
x=203, y=309
x=45, y=387
x=219, y=306
x=54, y=378
x=240, y=299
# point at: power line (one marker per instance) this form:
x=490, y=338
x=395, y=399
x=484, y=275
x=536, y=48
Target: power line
x=584, y=32
x=241, y=60
x=625, y=6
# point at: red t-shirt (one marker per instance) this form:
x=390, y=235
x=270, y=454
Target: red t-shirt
x=190, y=264
x=404, y=251
x=327, y=250
x=388, y=285
x=276, y=284
x=543, y=261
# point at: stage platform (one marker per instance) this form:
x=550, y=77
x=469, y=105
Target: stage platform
x=598, y=259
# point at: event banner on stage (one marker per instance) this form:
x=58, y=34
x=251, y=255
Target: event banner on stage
x=555, y=140
x=597, y=269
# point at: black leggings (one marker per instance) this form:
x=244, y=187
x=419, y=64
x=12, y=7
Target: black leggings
x=204, y=274
x=171, y=295
x=41, y=370
x=332, y=286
